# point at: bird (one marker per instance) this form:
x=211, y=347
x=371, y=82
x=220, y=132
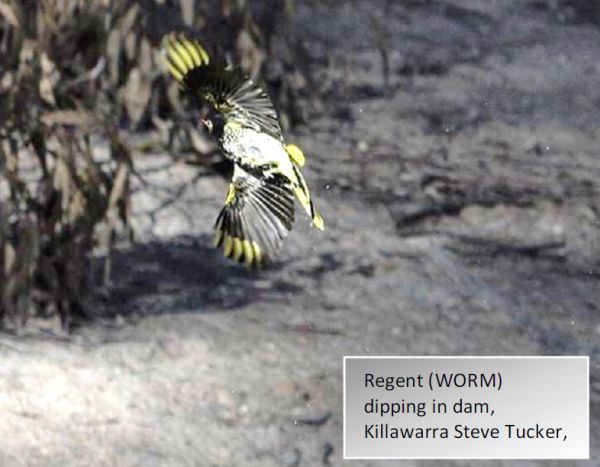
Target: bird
x=259, y=208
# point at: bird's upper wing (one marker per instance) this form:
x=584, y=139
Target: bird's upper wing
x=258, y=214
x=229, y=91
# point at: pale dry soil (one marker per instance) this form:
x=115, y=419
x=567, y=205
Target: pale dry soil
x=462, y=210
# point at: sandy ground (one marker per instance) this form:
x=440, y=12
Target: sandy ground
x=462, y=208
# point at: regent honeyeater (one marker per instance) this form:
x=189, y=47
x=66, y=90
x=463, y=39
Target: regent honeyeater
x=259, y=207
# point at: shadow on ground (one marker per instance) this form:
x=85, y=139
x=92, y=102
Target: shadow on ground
x=187, y=274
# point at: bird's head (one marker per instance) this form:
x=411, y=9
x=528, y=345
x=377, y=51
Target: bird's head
x=214, y=123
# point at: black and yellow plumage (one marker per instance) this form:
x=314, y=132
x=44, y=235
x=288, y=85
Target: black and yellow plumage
x=259, y=208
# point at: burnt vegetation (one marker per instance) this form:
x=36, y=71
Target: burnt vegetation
x=75, y=77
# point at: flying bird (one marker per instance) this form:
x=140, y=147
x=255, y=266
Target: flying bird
x=259, y=206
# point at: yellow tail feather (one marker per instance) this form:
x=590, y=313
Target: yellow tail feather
x=303, y=195
x=296, y=154
x=318, y=221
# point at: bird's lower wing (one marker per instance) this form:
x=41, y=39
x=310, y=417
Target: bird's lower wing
x=257, y=216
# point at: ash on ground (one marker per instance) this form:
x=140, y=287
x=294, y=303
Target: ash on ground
x=454, y=156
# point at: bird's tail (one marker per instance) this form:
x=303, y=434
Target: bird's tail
x=296, y=154
x=303, y=195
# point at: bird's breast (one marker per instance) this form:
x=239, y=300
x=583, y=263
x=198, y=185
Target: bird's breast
x=250, y=147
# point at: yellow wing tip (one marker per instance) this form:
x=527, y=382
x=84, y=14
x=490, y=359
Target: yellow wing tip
x=240, y=250
x=228, y=246
x=182, y=54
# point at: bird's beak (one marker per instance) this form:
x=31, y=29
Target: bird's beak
x=207, y=123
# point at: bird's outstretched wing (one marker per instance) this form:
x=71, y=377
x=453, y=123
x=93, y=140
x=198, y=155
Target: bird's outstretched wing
x=229, y=91
x=258, y=214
